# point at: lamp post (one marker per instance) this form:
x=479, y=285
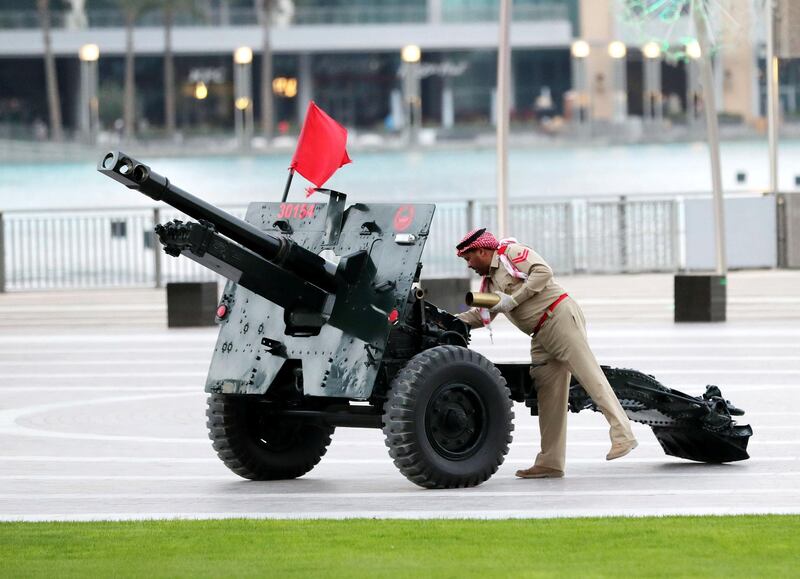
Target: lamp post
x=243, y=94
x=653, y=97
x=694, y=99
x=580, y=51
x=618, y=51
x=773, y=96
x=89, y=106
x=411, y=55
x=703, y=56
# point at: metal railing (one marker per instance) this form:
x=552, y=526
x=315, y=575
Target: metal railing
x=547, y=227
x=117, y=247
x=630, y=236
x=96, y=248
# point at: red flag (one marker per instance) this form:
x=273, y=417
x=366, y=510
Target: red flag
x=321, y=147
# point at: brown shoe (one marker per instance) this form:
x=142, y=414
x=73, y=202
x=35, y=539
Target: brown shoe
x=540, y=472
x=620, y=449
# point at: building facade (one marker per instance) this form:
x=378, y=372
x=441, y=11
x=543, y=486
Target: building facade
x=347, y=57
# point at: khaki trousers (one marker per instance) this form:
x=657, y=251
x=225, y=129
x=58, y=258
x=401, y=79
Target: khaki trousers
x=559, y=350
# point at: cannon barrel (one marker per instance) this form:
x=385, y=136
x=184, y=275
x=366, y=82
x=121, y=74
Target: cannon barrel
x=279, y=250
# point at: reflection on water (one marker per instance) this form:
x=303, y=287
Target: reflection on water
x=423, y=175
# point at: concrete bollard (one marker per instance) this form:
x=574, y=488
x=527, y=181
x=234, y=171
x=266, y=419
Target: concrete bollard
x=700, y=298
x=191, y=304
x=788, y=214
x=2, y=256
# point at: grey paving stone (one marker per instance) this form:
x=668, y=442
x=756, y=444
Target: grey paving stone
x=102, y=416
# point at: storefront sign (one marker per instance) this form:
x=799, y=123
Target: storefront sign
x=207, y=75
x=426, y=69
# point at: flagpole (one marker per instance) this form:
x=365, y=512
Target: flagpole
x=712, y=130
x=288, y=183
x=501, y=103
x=773, y=94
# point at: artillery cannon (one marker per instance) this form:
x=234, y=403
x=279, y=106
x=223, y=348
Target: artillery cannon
x=323, y=324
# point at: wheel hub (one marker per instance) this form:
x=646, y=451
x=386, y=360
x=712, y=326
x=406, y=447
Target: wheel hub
x=456, y=421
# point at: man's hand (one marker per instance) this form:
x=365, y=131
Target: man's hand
x=506, y=304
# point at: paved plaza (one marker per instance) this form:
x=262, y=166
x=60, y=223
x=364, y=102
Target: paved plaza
x=102, y=416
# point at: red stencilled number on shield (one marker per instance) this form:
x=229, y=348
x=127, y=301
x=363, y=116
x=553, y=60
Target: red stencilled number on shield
x=403, y=217
x=296, y=210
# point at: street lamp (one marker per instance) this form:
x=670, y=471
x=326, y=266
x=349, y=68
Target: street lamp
x=89, y=107
x=89, y=52
x=243, y=55
x=618, y=51
x=652, y=50
x=693, y=50
x=580, y=51
x=411, y=56
x=411, y=53
x=243, y=94
x=653, y=98
x=200, y=91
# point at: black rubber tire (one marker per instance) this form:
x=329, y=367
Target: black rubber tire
x=237, y=431
x=410, y=407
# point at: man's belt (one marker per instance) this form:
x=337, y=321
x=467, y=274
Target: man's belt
x=548, y=311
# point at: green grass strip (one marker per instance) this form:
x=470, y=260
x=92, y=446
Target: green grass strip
x=740, y=546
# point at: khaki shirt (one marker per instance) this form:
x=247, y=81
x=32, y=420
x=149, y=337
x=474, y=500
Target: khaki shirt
x=533, y=294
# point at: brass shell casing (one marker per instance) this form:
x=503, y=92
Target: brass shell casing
x=481, y=300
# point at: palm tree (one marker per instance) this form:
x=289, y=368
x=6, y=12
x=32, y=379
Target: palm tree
x=169, y=69
x=51, y=79
x=131, y=9
x=265, y=12
x=169, y=8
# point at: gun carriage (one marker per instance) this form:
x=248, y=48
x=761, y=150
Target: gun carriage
x=324, y=324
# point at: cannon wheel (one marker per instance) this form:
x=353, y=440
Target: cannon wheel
x=260, y=448
x=448, y=418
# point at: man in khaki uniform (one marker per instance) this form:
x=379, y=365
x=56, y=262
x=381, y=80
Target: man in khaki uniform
x=533, y=301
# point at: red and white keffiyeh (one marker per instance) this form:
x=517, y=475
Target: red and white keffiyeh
x=476, y=239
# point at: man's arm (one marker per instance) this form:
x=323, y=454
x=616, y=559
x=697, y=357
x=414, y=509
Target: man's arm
x=528, y=261
x=472, y=318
